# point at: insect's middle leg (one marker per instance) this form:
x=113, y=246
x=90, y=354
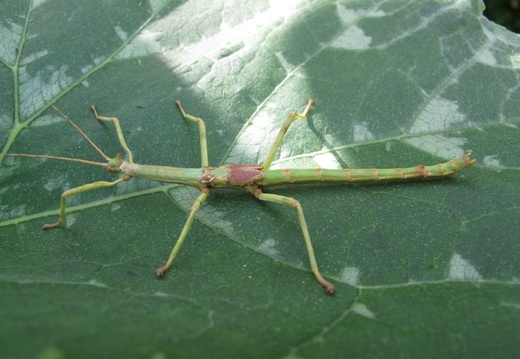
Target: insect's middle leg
x=279, y=138
x=292, y=203
x=194, y=209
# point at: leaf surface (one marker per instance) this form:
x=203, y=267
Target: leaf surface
x=423, y=269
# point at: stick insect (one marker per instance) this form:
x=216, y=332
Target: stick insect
x=252, y=178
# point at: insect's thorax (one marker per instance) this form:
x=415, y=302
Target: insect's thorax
x=238, y=176
x=242, y=175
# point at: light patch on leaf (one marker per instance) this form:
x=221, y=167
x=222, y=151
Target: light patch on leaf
x=209, y=47
x=10, y=211
x=56, y=183
x=326, y=160
x=86, y=69
x=71, y=219
x=156, y=5
x=33, y=57
x=10, y=33
x=95, y=283
x=211, y=216
x=283, y=61
x=268, y=247
x=98, y=60
x=491, y=161
x=510, y=304
x=295, y=162
x=33, y=89
x=486, y=57
x=440, y=114
x=439, y=145
x=350, y=275
x=349, y=16
x=161, y=294
x=461, y=269
x=11, y=166
x=515, y=61
x=121, y=33
x=352, y=39
x=361, y=133
x=5, y=121
x=46, y=120
x=37, y=3
x=145, y=43
x=208, y=214
x=362, y=309
x=220, y=51
x=255, y=138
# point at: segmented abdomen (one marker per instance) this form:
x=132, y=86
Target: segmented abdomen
x=284, y=176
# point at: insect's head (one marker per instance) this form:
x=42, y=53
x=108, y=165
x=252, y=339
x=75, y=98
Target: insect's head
x=114, y=164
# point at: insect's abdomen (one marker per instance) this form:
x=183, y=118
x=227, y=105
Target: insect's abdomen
x=284, y=176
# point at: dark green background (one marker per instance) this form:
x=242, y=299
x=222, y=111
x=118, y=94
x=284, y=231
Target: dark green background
x=504, y=12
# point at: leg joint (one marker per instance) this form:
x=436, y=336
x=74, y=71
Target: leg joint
x=294, y=202
x=256, y=192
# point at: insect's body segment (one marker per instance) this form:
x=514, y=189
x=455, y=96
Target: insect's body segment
x=249, y=177
x=360, y=175
x=246, y=176
x=227, y=176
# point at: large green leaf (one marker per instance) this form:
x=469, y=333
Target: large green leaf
x=423, y=269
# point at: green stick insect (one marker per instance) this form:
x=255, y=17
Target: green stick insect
x=252, y=178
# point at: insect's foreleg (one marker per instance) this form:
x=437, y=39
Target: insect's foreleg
x=194, y=209
x=80, y=189
x=118, y=130
x=202, y=134
x=279, y=138
x=292, y=203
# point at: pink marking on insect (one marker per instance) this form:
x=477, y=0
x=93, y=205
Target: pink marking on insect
x=244, y=174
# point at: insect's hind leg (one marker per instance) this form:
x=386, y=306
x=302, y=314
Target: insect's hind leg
x=202, y=134
x=278, y=141
x=292, y=203
x=194, y=209
x=118, y=130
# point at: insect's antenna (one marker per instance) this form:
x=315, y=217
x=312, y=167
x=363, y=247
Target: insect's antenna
x=58, y=158
x=80, y=131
